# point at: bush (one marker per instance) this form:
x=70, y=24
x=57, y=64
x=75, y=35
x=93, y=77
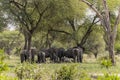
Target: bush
x=65, y=73
x=5, y=77
x=69, y=73
x=109, y=77
x=3, y=66
x=31, y=72
x=106, y=63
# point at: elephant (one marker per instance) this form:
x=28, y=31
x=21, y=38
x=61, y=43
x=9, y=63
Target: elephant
x=49, y=53
x=32, y=54
x=53, y=54
x=46, y=51
x=60, y=53
x=70, y=54
x=41, y=57
x=24, y=56
x=78, y=51
x=66, y=59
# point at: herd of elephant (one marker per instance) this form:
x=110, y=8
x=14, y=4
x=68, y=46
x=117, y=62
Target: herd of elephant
x=55, y=55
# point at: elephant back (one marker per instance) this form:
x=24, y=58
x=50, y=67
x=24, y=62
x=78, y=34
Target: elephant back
x=60, y=52
x=69, y=53
x=46, y=51
x=24, y=51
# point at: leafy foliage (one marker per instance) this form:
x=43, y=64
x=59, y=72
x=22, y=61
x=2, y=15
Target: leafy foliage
x=4, y=77
x=108, y=76
x=70, y=73
x=106, y=63
x=66, y=73
x=31, y=71
x=9, y=40
x=3, y=66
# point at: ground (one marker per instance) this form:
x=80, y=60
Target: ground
x=90, y=65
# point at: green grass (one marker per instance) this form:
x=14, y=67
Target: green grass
x=89, y=67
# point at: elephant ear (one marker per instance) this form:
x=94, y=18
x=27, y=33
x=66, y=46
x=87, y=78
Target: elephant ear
x=74, y=50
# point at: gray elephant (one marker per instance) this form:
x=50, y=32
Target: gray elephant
x=66, y=59
x=32, y=54
x=53, y=54
x=46, y=51
x=41, y=57
x=70, y=54
x=60, y=53
x=78, y=51
x=24, y=56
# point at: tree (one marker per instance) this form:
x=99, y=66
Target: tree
x=9, y=40
x=110, y=31
x=29, y=14
x=94, y=43
x=3, y=18
x=62, y=20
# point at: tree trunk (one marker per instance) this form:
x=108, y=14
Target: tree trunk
x=29, y=42
x=111, y=49
x=25, y=45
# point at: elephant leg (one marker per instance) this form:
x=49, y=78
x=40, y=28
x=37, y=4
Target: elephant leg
x=22, y=57
x=80, y=59
x=25, y=56
x=43, y=60
x=60, y=59
x=75, y=59
x=56, y=59
x=38, y=59
x=32, y=58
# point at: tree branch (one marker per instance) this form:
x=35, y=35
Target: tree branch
x=18, y=5
x=60, y=31
x=71, y=21
x=97, y=13
x=106, y=17
x=85, y=37
x=117, y=21
x=40, y=16
x=93, y=8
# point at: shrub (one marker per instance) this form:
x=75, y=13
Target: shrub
x=66, y=73
x=31, y=72
x=108, y=76
x=5, y=77
x=3, y=66
x=106, y=63
x=69, y=73
x=83, y=76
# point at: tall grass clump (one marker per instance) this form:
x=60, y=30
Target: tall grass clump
x=108, y=76
x=27, y=71
x=4, y=67
x=69, y=73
